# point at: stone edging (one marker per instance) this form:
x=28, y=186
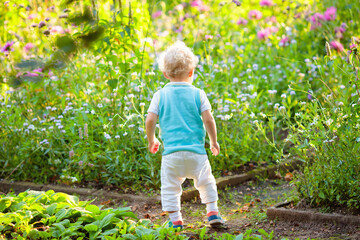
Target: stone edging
x=187, y=195
x=288, y=215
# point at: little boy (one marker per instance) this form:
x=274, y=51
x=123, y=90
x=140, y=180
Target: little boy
x=183, y=110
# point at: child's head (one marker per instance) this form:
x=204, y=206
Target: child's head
x=177, y=61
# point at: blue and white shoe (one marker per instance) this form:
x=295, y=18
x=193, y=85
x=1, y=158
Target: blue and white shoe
x=216, y=221
x=176, y=224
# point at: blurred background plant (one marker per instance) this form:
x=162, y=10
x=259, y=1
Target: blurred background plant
x=77, y=78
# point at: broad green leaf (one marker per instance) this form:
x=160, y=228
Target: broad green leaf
x=91, y=227
x=93, y=208
x=51, y=209
x=106, y=220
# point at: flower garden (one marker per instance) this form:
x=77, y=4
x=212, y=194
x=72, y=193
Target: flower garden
x=77, y=77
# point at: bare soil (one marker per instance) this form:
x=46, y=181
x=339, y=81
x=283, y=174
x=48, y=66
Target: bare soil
x=244, y=207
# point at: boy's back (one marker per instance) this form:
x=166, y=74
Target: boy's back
x=180, y=119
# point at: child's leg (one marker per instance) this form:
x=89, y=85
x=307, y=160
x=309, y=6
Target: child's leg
x=171, y=180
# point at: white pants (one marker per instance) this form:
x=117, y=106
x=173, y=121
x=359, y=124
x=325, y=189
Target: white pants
x=178, y=166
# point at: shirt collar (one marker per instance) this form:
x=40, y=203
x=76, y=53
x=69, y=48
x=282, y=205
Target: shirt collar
x=178, y=83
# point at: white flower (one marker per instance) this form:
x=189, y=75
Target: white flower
x=235, y=80
x=8, y=106
x=131, y=126
x=134, y=75
x=329, y=122
x=125, y=134
x=25, y=124
x=31, y=127
x=117, y=136
x=142, y=104
x=283, y=95
x=100, y=105
x=298, y=114
x=53, y=109
x=292, y=93
x=107, y=136
x=85, y=104
x=302, y=103
x=281, y=108
x=87, y=111
x=248, y=70
x=252, y=115
x=92, y=112
x=276, y=106
x=51, y=127
x=277, y=66
x=60, y=116
x=43, y=129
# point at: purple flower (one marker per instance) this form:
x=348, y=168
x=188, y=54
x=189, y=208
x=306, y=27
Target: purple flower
x=7, y=47
x=42, y=24
x=57, y=29
x=157, y=14
x=47, y=19
x=207, y=37
x=266, y=3
x=237, y=3
x=255, y=14
x=6, y=3
x=309, y=96
x=28, y=46
x=330, y=14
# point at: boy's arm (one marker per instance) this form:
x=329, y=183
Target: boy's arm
x=210, y=126
x=150, y=126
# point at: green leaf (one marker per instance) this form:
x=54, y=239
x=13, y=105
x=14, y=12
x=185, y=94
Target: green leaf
x=111, y=231
x=112, y=83
x=106, y=220
x=93, y=208
x=239, y=237
x=128, y=30
x=322, y=195
x=263, y=232
x=61, y=214
x=66, y=44
x=91, y=227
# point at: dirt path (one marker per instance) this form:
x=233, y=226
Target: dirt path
x=244, y=208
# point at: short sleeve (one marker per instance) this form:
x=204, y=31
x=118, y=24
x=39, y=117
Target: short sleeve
x=154, y=104
x=205, y=104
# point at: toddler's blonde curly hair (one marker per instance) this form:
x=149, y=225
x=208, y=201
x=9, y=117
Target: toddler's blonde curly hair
x=178, y=60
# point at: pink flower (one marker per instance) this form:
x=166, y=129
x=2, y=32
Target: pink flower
x=339, y=30
x=207, y=37
x=28, y=46
x=330, y=14
x=179, y=7
x=157, y=14
x=284, y=41
x=32, y=16
x=273, y=29
x=263, y=34
x=242, y=21
x=200, y=5
x=272, y=19
x=7, y=47
x=316, y=20
x=255, y=14
x=57, y=29
x=266, y=3
x=337, y=46
x=179, y=30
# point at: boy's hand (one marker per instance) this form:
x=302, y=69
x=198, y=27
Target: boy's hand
x=154, y=146
x=215, y=148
